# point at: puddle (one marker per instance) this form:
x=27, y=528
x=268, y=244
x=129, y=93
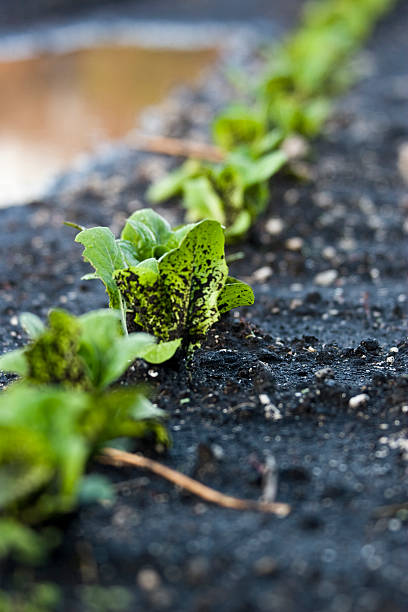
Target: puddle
x=56, y=106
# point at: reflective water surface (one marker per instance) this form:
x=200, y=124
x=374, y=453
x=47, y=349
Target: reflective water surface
x=55, y=106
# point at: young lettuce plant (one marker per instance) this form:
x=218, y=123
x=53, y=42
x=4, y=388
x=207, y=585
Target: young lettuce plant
x=234, y=192
x=60, y=414
x=313, y=66
x=294, y=96
x=173, y=284
x=47, y=437
x=240, y=127
x=88, y=352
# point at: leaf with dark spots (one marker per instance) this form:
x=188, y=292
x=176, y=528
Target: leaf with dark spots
x=235, y=293
x=176, y=297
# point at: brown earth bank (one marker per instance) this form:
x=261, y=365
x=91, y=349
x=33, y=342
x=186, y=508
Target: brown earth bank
x=329, y=266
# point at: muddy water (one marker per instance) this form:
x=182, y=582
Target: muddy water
x=54, y=107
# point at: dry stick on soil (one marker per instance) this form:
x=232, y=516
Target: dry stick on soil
x=116, y=457
x=176, y=147
x=391, y=510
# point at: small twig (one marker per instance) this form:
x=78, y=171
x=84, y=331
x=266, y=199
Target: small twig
x=116, y=457
x=390, y=510
x=176, y=147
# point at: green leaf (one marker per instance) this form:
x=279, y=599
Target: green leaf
x=236, y=126
x=31, y=324
x=147, y=231
x=88, y=352
x=123, y=353
x=202, y=201
x=127, y=412
x=239, y=227
x=259, y=170
x=193, y=275
x=235, y=293
x=163, y=351
x=105, y=256
x=128, y=252
x=139, y=286
x=106, y=352
x=47, y=436
x=172, y=184
x=53, y=357
x=178, y=298
x=25, y=463
x=14, y=362
x=21, y=542
x=268, y=142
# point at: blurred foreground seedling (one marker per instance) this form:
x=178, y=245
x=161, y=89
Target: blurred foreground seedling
x=59, y=414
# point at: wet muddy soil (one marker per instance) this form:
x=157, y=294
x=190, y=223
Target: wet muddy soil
x=314, y=375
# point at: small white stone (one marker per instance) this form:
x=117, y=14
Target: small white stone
x=329, y=252
x=403, y=161
x=358, y=400
x=262, y=274
x=148, y=579
x=264, y=399
x=291, y=196
x=323, y=199
x=274, y=226
x=295, y=147
x=294, y=244
x=323, y=373
x=393, y=349
x=326, y=278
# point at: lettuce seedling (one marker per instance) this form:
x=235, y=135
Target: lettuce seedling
x=234, y=192
x=61, y=413
x=243, y=128
x=87, y=352
x=47, y=436
x=295, y=94
x=173, y=284
x=312, y=66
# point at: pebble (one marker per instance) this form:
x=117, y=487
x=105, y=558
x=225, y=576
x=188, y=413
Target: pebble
x=403, y=161
x=324, y=373
x=295, y=147
x=148, y=579
x=262, y=274
x=265, y=566
x=323, y=199
x=358, y=400
x=329, y=252
x=326, y=278
x=274, y=226
x=294, y=244
x=291, y=196
x=197, y=569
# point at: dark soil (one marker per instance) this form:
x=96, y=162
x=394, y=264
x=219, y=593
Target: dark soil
x=273, y=380
x=26, y=12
